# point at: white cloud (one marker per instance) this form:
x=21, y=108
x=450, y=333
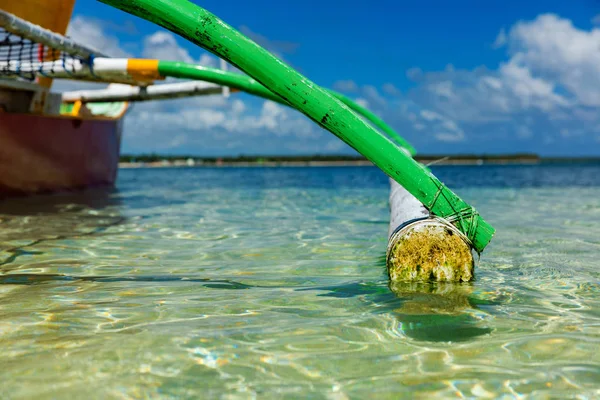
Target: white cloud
x=90, y=32
x=346, y=86
x=547, y=88
x=443, y=128
x=443, y=89
x=545, y=93
x=208, y=61
x=501, y=39
x=177, y=141
x=492, y=82
x=163, y=46
x=553, y=49
x=224, y=124
x=414, y=73
x=524, y=132
x=372, y=95
x=335, y=145
x=531, y=91
x=450, y=137
x=429, y=115
x=391, y=89
x=238, y=106
x=362, y=102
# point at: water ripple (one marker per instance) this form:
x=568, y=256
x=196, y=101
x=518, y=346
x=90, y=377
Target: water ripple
x=248, y=283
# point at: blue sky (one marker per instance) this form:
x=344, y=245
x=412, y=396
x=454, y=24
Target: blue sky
x=451, y=77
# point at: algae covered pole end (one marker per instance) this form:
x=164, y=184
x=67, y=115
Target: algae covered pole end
x=423, y=248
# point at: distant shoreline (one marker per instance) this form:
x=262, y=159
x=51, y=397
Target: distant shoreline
x=322, y=161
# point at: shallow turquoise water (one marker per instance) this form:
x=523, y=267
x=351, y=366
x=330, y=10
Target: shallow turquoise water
x=271, y=283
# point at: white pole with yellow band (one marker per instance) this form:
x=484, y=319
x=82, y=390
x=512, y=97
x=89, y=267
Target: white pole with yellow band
x=121, y=70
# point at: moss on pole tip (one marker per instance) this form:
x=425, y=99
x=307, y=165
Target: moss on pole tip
x=429, y=250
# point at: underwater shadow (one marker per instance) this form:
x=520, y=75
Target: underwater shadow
x=428, y=311
x=32, y=220
x=438, y=311
x=36, y=279
x=94, y=198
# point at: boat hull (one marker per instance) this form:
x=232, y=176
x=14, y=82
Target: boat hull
x=41, y=154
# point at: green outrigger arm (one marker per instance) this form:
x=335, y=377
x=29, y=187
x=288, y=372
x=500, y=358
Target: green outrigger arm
x=183, y=70
x=206, y=30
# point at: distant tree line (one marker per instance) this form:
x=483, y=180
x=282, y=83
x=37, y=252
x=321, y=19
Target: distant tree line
x=153, y=157
x=258, y=159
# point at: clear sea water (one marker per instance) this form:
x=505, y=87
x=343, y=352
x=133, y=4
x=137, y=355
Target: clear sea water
x=243, y=283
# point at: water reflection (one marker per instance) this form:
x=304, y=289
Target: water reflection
x=438, y=311
x=306, y=309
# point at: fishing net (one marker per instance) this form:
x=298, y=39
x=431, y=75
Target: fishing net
x=23, y=58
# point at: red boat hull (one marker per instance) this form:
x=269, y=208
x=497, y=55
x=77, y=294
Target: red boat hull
x=48, y=154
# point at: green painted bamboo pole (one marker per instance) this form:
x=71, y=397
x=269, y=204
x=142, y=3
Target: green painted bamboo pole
x=206, y=30
x=197, y=72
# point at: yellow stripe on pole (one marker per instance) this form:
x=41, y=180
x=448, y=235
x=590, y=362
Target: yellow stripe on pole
x=143, y=70
x=76, y=109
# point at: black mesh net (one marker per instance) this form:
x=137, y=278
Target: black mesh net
x=25, y=59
